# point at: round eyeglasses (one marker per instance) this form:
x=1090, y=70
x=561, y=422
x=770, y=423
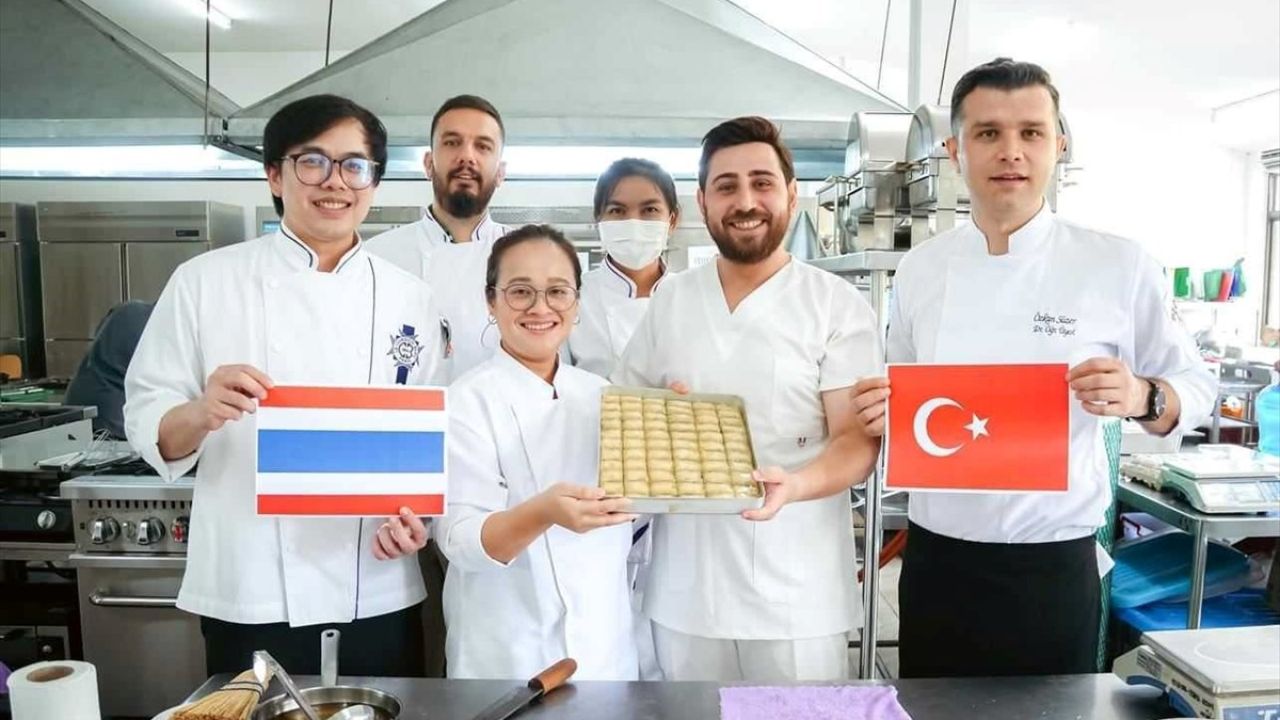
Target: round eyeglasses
x=313, y=168
x=523, y=297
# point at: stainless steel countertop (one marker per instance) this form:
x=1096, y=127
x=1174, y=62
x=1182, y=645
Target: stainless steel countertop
x=1065, y=697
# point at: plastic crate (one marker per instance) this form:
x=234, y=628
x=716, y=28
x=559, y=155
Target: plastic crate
x=1238, y=609
x=1158, y=568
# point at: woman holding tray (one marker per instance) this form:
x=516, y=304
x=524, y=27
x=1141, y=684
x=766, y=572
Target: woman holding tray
x=537, y=554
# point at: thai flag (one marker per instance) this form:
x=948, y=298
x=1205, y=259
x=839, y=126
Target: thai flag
x=351, y=451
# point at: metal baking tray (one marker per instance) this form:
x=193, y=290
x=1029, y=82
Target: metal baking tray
x=688, y=505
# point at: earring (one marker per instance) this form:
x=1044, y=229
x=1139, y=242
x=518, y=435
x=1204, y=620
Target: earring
x=492, y=320
x=577, y=320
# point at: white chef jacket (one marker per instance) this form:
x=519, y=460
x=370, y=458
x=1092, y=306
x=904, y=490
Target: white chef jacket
x=801, y=333
x=609, y=312
x=263, y=304
x=456, y=273
x=511, y=436
x=1062, y=294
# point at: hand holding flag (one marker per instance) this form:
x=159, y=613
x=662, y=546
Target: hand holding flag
x=402, y=535
x=1105, y=386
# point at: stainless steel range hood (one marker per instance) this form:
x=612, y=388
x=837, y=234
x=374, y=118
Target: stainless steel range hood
x=609, y=72
x=73, y=77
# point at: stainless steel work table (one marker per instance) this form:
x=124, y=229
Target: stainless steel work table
x=1067, y=697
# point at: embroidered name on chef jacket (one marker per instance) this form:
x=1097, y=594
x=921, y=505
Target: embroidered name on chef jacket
x=1053, y=325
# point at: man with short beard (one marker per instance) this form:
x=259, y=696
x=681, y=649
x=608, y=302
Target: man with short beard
x=736, y=598
x=449, y=246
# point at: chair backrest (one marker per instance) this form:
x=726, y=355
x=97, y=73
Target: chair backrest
x=11, y=365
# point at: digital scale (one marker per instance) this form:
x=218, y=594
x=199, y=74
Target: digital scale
x=1224, y=673
x=1216, y=479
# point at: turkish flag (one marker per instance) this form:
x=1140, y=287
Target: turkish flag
x=996, y=428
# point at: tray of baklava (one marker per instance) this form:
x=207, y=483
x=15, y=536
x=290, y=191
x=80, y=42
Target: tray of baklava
x=672, y=453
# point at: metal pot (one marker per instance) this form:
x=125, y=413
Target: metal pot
x=327, y=701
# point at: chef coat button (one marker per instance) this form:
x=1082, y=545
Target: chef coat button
x=275, y=347
x=273, y=284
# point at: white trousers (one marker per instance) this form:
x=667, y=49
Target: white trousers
x=692, y=657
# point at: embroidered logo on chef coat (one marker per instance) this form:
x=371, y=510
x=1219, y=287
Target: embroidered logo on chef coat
x=404, y=352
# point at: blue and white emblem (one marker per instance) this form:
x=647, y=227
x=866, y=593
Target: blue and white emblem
x=404, y=352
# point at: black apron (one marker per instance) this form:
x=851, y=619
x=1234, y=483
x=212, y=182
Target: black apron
x=971, y=609
x=383, y=646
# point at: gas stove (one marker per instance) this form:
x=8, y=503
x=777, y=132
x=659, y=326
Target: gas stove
x=115, y=513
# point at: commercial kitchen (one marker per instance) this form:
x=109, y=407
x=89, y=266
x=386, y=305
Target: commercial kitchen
x=140, y=142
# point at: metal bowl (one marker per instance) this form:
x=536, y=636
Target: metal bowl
x=327, y=701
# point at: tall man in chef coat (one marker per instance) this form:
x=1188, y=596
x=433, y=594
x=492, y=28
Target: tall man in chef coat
x=449, y=249
x=305, y=305
x=1008, y=583
x=770, y=595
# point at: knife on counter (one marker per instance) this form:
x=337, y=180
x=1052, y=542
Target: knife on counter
x=541, y=684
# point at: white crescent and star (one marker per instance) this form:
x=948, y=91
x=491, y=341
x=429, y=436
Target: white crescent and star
x=977, y=427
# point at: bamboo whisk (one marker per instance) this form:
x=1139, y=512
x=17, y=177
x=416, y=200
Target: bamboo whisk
x=233, y=701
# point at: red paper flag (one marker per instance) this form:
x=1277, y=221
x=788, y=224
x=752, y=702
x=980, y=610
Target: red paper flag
x=978, y=427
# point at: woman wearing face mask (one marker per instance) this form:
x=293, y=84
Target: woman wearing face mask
x=636, y=211
x=537, y=555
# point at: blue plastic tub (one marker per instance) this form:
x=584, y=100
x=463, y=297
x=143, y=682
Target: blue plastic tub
x=1158, y=568
x=1238, y=609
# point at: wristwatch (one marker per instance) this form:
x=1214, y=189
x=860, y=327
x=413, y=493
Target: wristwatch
x=1155, y=403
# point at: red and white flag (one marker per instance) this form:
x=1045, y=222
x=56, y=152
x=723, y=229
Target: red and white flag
x=984, y=428
x=351, y=451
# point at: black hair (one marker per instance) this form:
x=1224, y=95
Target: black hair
x=524, y=234
x=308, y=118
x=634, y=167
x=1003, y=74
x=741, y=131
x=469, y=102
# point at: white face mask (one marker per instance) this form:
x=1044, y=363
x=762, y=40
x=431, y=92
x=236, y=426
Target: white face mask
x=634, y=244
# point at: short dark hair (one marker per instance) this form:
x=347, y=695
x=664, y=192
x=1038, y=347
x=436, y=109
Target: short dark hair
x=634, y=167
x=528, y=233
x=468, y=102
x=308, y=118
x=1003, y=74
x=740, y=131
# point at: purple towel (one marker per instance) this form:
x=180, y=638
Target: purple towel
x=847, y=702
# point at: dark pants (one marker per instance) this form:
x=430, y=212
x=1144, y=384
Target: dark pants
x=434, y=566
x=384, y=646
x=972, y=609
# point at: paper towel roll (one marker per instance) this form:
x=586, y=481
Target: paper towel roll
x=55, y=690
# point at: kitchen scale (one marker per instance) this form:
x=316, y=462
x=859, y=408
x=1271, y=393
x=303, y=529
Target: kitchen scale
x=1225, y=673
x=1217, y=479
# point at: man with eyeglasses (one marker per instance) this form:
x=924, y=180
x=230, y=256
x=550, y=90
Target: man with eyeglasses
x=450, y=245
x=306, y=305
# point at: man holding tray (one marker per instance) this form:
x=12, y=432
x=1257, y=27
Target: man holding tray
x=770, y=595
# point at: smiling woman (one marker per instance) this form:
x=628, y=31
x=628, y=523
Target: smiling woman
x=524, y=490
x=532, y=288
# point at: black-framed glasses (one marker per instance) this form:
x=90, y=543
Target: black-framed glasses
x=313, y=168
x=522, y=297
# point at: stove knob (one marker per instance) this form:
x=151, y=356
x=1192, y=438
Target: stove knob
x=181, y=527
x=103, y=530
x=46, y=520
x=150, y=531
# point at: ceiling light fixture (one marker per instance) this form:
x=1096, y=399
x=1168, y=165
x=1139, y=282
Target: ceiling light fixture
x=218, y=18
